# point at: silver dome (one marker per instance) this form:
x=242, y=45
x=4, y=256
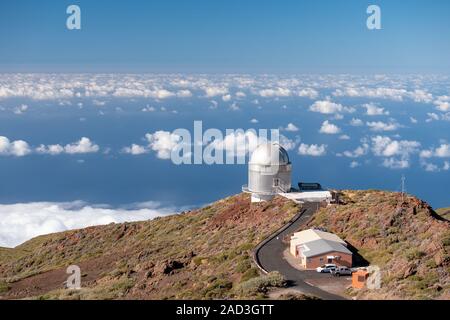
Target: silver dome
x=269, y=154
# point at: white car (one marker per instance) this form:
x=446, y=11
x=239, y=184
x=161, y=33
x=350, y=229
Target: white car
x=341, y=271
x=326, y=268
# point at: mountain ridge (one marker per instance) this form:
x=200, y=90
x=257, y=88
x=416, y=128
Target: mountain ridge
x=207, y=253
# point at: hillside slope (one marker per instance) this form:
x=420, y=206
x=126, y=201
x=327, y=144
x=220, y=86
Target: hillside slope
x=204, y=253
x=444, y=212
x=407, y=240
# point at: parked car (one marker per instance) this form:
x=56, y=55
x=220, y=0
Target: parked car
x=341, y=271
x=326, y=268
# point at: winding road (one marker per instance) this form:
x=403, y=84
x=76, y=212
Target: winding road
x=269, y=257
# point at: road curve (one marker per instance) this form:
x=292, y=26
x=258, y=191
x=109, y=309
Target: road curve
x=268, y=256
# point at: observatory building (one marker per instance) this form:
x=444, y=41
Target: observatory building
x=269, y=174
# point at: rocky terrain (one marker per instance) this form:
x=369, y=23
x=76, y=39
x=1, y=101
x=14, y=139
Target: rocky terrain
x=206, y=253
x=202, y=254
x=444, y=212
x=407, y=240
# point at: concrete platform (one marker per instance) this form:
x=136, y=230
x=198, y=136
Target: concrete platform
x=308, y=196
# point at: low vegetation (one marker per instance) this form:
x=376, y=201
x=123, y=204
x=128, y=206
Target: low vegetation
x=407, y=240
x=202, y=254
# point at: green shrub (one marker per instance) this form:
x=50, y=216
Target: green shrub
x=261, y=284
x=245, y=247
x=249, y=274
x=4, y=287
x=413, y=254
x=446, y=239
x=198, y=260
x=217, y=289
x=243, y=266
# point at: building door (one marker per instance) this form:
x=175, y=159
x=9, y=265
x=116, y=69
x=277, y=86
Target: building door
x=330, y=260
x=276, y=182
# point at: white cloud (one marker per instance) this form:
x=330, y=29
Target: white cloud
x=446, y=166
x=329, y=128
x=356, y=122
x=23, y=221
x=344, y=137
x=240, y=94
x=53, y=149
x=254, y=120
x=184, y=94
x=413, y=120
x=309, y=93
x=358, y=152
x=328, y=107
x=385, y=93
x=443, y=106
x=21, y=109
x=17, y=148
x=215, y=91
x=374, y=110
x=392, y=163
x=98, y=103
x=287, y=143
x=443, y=151
x=430, y=167
x=382, y=126
x=214, y=104
x=135, y=149
x=443, y=103
x=354, y=164
x=234, y=107
x=432, y=117
x=84, y=145
x=239, y=143
x=278, y=92
x=291, y=127
x=148, y=109
x=313, y=150
x=387, y=147
x=226, y=97
x=163, y=142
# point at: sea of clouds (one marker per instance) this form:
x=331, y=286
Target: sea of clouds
x=24, y=221
x=358, y=108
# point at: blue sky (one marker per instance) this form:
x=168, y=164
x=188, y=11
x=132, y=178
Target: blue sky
x=225, y=36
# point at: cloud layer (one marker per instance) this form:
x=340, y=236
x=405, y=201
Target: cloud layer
x=21, y=222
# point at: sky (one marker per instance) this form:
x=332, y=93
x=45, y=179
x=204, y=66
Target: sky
x=225, y=36
x=88, y=117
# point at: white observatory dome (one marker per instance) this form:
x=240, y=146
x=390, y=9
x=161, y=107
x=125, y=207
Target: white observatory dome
x=269, y=154
x=269, y=172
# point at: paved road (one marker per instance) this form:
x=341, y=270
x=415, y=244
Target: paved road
x=270, y=258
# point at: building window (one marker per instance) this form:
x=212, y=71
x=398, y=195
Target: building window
x=321, y=259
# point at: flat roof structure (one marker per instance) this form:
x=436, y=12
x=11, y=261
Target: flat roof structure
x=319, y=247
x=315, y=234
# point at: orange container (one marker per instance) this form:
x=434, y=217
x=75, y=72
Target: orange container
x=359, y=279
